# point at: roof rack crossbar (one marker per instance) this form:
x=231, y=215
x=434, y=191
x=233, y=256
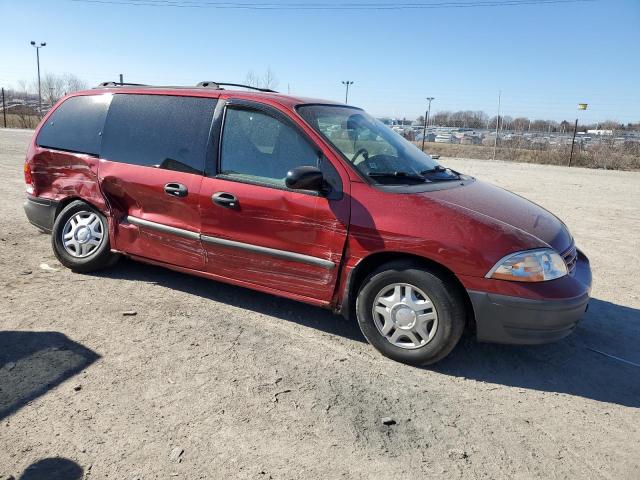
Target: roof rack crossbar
x=217, y=85
x=206, y=84
x=118, y=84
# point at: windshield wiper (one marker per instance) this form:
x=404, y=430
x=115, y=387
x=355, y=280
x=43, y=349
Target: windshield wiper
x=436, y=169
x=440, y=169
x=399, y=175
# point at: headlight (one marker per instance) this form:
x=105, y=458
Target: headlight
x=529, y=266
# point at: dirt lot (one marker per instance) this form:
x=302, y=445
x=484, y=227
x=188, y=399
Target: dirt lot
x=247, y=385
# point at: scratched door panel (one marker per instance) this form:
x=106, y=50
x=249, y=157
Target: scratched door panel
x=137, y=192
x=310, y=227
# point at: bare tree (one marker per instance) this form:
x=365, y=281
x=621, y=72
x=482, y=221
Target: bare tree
x=26, y=115
x=252, y=79
x=73, y=83
x=539, y=125
x=440, y=118
x=461, y=119
x=610, y=125
x=52, y=88
x=22, y=86
x=521, y=123
x=55, y=86
x=268, y=80
x=478, y=119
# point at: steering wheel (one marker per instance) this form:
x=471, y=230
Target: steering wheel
x=363, y=151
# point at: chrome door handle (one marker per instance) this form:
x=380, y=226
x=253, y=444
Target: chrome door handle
x=176, y=190
x=225, y=199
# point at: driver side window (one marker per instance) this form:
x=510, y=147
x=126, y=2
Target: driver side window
x=258, y=147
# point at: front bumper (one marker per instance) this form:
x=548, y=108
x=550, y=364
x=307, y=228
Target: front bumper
x=518, y=320
x=41, y=212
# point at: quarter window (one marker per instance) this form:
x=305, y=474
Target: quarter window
x=76, y=125
x=169, y=132
x=258, y=147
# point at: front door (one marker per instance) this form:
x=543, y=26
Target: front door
x=152, y=161
x=257, y=231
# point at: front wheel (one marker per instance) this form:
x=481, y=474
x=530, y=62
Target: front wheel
x=410, y=314
x=80, y=238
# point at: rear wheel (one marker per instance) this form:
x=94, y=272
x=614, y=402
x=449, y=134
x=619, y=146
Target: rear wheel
x=411, y=314
x=80, y=238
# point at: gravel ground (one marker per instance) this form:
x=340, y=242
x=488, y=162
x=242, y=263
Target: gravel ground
x=214, y=381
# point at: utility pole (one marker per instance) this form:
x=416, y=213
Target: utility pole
x=495, y=143
x=38, y=47
x=581, y=106
x=573, y=141
x=4, y=109
x=346, y=95
x=426, y=120
x=121, y=80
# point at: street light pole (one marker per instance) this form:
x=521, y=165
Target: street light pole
x=38, y=47
x=426, y=120
x=346, y=95
x=495, y=142
x=4, y=109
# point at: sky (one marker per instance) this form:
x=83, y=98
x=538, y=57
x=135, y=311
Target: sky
x=544, y=58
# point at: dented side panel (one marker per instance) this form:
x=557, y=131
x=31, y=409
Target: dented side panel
x=61, y=175
x=138, y=191
x=291, y=222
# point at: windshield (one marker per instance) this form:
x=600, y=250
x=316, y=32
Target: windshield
x=375, y=150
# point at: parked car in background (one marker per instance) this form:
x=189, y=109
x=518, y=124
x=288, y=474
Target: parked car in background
x=306, y=199
x=445, y=138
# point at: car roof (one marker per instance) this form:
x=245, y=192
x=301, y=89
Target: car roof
x=286, y=100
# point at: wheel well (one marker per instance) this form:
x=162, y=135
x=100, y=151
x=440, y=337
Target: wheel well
x=376, y=260
x=66, y=201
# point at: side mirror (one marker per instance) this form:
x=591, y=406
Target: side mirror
x=305, y=178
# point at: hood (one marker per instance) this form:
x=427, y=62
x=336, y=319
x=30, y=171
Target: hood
x=509, y=208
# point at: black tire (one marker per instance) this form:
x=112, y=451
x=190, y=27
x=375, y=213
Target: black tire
x=101, y=257
x=443, y=293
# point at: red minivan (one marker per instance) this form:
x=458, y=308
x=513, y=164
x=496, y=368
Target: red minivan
x=306, y=199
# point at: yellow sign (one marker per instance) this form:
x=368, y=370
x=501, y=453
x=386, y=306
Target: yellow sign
x=582, y=106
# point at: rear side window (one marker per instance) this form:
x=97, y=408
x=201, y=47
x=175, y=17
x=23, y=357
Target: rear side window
x=76, y=125
x=158, y=131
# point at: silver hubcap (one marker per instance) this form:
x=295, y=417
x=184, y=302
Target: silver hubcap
x=405, y=315
x=82, y=234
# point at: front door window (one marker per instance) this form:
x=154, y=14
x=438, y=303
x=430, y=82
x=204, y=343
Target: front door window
x=259, y=148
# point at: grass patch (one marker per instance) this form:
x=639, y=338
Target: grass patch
x=15, y=120
x=607, y=156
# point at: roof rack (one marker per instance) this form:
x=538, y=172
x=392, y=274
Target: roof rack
x=118, y=84
x=206, y=84
x=217, y=85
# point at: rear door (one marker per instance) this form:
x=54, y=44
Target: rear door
x=152, y=161
x=257, y=231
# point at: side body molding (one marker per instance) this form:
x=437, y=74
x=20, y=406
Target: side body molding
x=293, y=256
x=140, y=222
